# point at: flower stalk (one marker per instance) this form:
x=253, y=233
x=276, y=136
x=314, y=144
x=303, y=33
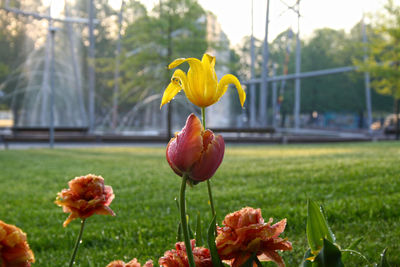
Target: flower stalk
x=185, y=229
x=203, y=116
x=78, y=241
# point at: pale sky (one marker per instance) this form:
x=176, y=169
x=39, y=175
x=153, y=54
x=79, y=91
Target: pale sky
x=235, y=15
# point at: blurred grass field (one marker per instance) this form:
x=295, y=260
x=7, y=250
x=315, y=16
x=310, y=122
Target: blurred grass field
x=358, y=184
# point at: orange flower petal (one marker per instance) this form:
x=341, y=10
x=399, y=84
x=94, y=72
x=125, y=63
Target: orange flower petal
x=87, y=195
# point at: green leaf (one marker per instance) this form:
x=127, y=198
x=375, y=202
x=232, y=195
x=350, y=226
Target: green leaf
x=199, y=236
x=355, y=243
x=329, y=256
x=211, y=244
x=383, y=262
x=179, y=233
x=317, y=227
x=191, y=235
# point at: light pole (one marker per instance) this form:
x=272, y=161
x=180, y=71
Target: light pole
x=252, y=73
x=264, y=76
x=297, y=80
x=52, y=31
x=91, y=67
x=367, y=81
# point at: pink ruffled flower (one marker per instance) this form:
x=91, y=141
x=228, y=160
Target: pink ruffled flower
x=195, y=151
x=132, y=263
x=87, y=195
x=178, y=258
x=246, y=233
x=14, y=249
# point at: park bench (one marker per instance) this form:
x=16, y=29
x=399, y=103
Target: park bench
x=240, y=134
x=33, y=134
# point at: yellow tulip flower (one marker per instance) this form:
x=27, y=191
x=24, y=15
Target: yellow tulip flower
x=200, y=84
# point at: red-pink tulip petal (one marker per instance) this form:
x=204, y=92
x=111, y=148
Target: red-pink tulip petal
x=185, y=148
x=209, y=161
x=195, y=152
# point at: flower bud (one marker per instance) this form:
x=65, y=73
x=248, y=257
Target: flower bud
x=195, y=152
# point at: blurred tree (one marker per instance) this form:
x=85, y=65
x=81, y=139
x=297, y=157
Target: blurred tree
x=327, y=48
x=174, y=29
x=383, y=61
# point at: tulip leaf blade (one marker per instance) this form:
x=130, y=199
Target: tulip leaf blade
x=306, y=262
x=211, y=244
x=199, y=236
x=317, y=227
x=329, y=256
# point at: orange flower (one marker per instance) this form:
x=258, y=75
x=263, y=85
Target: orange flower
x=245, y=233
x=132, y=263
x=195, y=151
x=14, y=250
x=87, y=196
x=178, y=258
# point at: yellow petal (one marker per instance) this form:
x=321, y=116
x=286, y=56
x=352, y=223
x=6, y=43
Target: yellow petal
x=179, y=61
x=211, y=81
x=223, y=86
x=173, y=88
x=181, y=76
x=195, y=78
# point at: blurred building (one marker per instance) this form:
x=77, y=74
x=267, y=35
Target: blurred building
x=218, y=115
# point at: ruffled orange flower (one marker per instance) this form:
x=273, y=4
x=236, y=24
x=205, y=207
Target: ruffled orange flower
x=14, y=249
x=195, y=151
x=87, y=195
x=178, y=258
x=246, y=233
x=132, y=263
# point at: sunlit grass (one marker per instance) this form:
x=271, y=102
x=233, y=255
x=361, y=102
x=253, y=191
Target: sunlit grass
x=357, y=183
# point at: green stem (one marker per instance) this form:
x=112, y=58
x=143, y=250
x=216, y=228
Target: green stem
x=78, y=241
x=203, y=116
x=211, y=198
x=184, y=222
x=357, y=253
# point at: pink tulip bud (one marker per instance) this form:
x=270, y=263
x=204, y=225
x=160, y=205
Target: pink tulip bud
x=195, y=151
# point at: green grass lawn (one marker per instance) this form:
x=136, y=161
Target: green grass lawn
x=359, y=185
